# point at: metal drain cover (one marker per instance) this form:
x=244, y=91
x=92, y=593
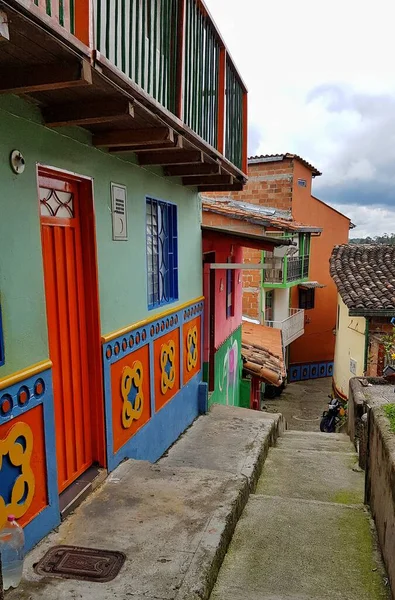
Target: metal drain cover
x=85, y=564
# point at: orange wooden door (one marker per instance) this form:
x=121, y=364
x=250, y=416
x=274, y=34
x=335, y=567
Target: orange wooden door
x=67, y=324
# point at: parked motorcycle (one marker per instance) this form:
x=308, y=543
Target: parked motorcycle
x=332, y=417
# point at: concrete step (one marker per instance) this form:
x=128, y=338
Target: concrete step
x=288, y=550
x=173, y=520
x=323, y=476
x=306, y=440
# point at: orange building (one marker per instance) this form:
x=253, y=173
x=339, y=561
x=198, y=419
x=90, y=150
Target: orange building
x=295, y=279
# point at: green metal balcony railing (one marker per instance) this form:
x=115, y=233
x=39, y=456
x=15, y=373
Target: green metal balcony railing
x=73, y=15
x=140, y=37
x=234, y=124
x=173, y=50
x=201, y=74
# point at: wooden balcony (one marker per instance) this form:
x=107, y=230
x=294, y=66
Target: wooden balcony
x=151, y=78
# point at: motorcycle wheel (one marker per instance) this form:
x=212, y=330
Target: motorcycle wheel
x=327, y=424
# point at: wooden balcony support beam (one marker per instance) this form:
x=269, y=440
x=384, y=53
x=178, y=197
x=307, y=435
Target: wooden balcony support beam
x=171, y=157
x=42, y=78
x=208, y=180
x=80, y=114
x=135, y=138
x=4, y=30
x=192, y=170
x=234, y=187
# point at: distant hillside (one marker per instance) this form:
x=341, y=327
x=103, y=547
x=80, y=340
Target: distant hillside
x=387, y=238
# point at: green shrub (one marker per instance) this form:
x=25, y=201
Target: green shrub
x=389, y=410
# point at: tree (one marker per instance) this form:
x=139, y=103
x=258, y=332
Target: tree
x=386, y=238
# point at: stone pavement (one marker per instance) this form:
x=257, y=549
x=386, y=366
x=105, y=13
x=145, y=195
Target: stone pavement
x=305, y=534
x=302, y=403
x=173, y=520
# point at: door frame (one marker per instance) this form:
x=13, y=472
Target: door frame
x=209, y=257
x=92, y=300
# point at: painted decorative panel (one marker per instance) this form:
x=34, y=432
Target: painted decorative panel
x=167, y=367
x=130, y=385
x=192, y=348
x=23, y=476
x=309, y=371
x=28, y=476
x=227, y=371
x=157, y=358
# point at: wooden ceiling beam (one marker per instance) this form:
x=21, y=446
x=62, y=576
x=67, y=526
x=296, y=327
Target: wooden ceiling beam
x=234, y=187
x=4, y=30
x=208, y=180
x=193, y=170
x=90, y=113
x=135, y=138
x=171, y=157
x=41, y=78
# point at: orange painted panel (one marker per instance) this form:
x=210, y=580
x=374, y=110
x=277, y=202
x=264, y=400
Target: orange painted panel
x=30, y=465
x=67, y=325
x=131, y=397
x=192, y=348
x=167, y=367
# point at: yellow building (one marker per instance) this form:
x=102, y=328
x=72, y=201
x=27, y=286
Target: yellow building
x=349, y=348
x=365, y=280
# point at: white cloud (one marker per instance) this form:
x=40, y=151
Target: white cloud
x=369, y=221
x=321, y=83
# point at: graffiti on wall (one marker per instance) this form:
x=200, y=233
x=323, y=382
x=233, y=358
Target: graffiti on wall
x=227, y=371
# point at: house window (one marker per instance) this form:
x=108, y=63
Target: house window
x=230, y=291
x=162, y=258
x=306, y=298
x=302, y=183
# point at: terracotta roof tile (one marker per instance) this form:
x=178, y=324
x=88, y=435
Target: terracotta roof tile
x=279, y=157
x=365, y=277
x=262, y=352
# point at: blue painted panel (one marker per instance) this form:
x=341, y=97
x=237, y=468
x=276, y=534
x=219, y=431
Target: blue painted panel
x=314, y=371
x=152, y=440
x=305, y=372
x=329, y=369
x=48, y=518
x=166, y=425
x=294, y=373
x=322, y=370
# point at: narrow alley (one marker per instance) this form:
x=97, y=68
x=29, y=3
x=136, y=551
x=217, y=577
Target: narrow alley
x=305, y=533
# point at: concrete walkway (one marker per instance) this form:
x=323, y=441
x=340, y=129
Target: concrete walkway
x=173, y=520
x=305, y=534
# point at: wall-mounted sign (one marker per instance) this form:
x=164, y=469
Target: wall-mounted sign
x=353, y=366
x=119, y=212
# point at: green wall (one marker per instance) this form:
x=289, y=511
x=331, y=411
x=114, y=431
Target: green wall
x=122, y=265
x=227, y=379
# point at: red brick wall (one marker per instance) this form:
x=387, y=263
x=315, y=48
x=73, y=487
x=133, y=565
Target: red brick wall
x=269, y=184
x=251, y=284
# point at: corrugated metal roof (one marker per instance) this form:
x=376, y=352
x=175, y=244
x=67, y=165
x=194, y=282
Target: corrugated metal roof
x=260, y=215
x=263, y=158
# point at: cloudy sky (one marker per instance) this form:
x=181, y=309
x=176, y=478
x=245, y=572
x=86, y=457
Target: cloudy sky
x=321, y=80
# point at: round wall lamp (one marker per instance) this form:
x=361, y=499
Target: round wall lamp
x=17, y=162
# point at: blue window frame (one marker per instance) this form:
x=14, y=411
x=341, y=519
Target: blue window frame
x=162, y=254
x=2, y=357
